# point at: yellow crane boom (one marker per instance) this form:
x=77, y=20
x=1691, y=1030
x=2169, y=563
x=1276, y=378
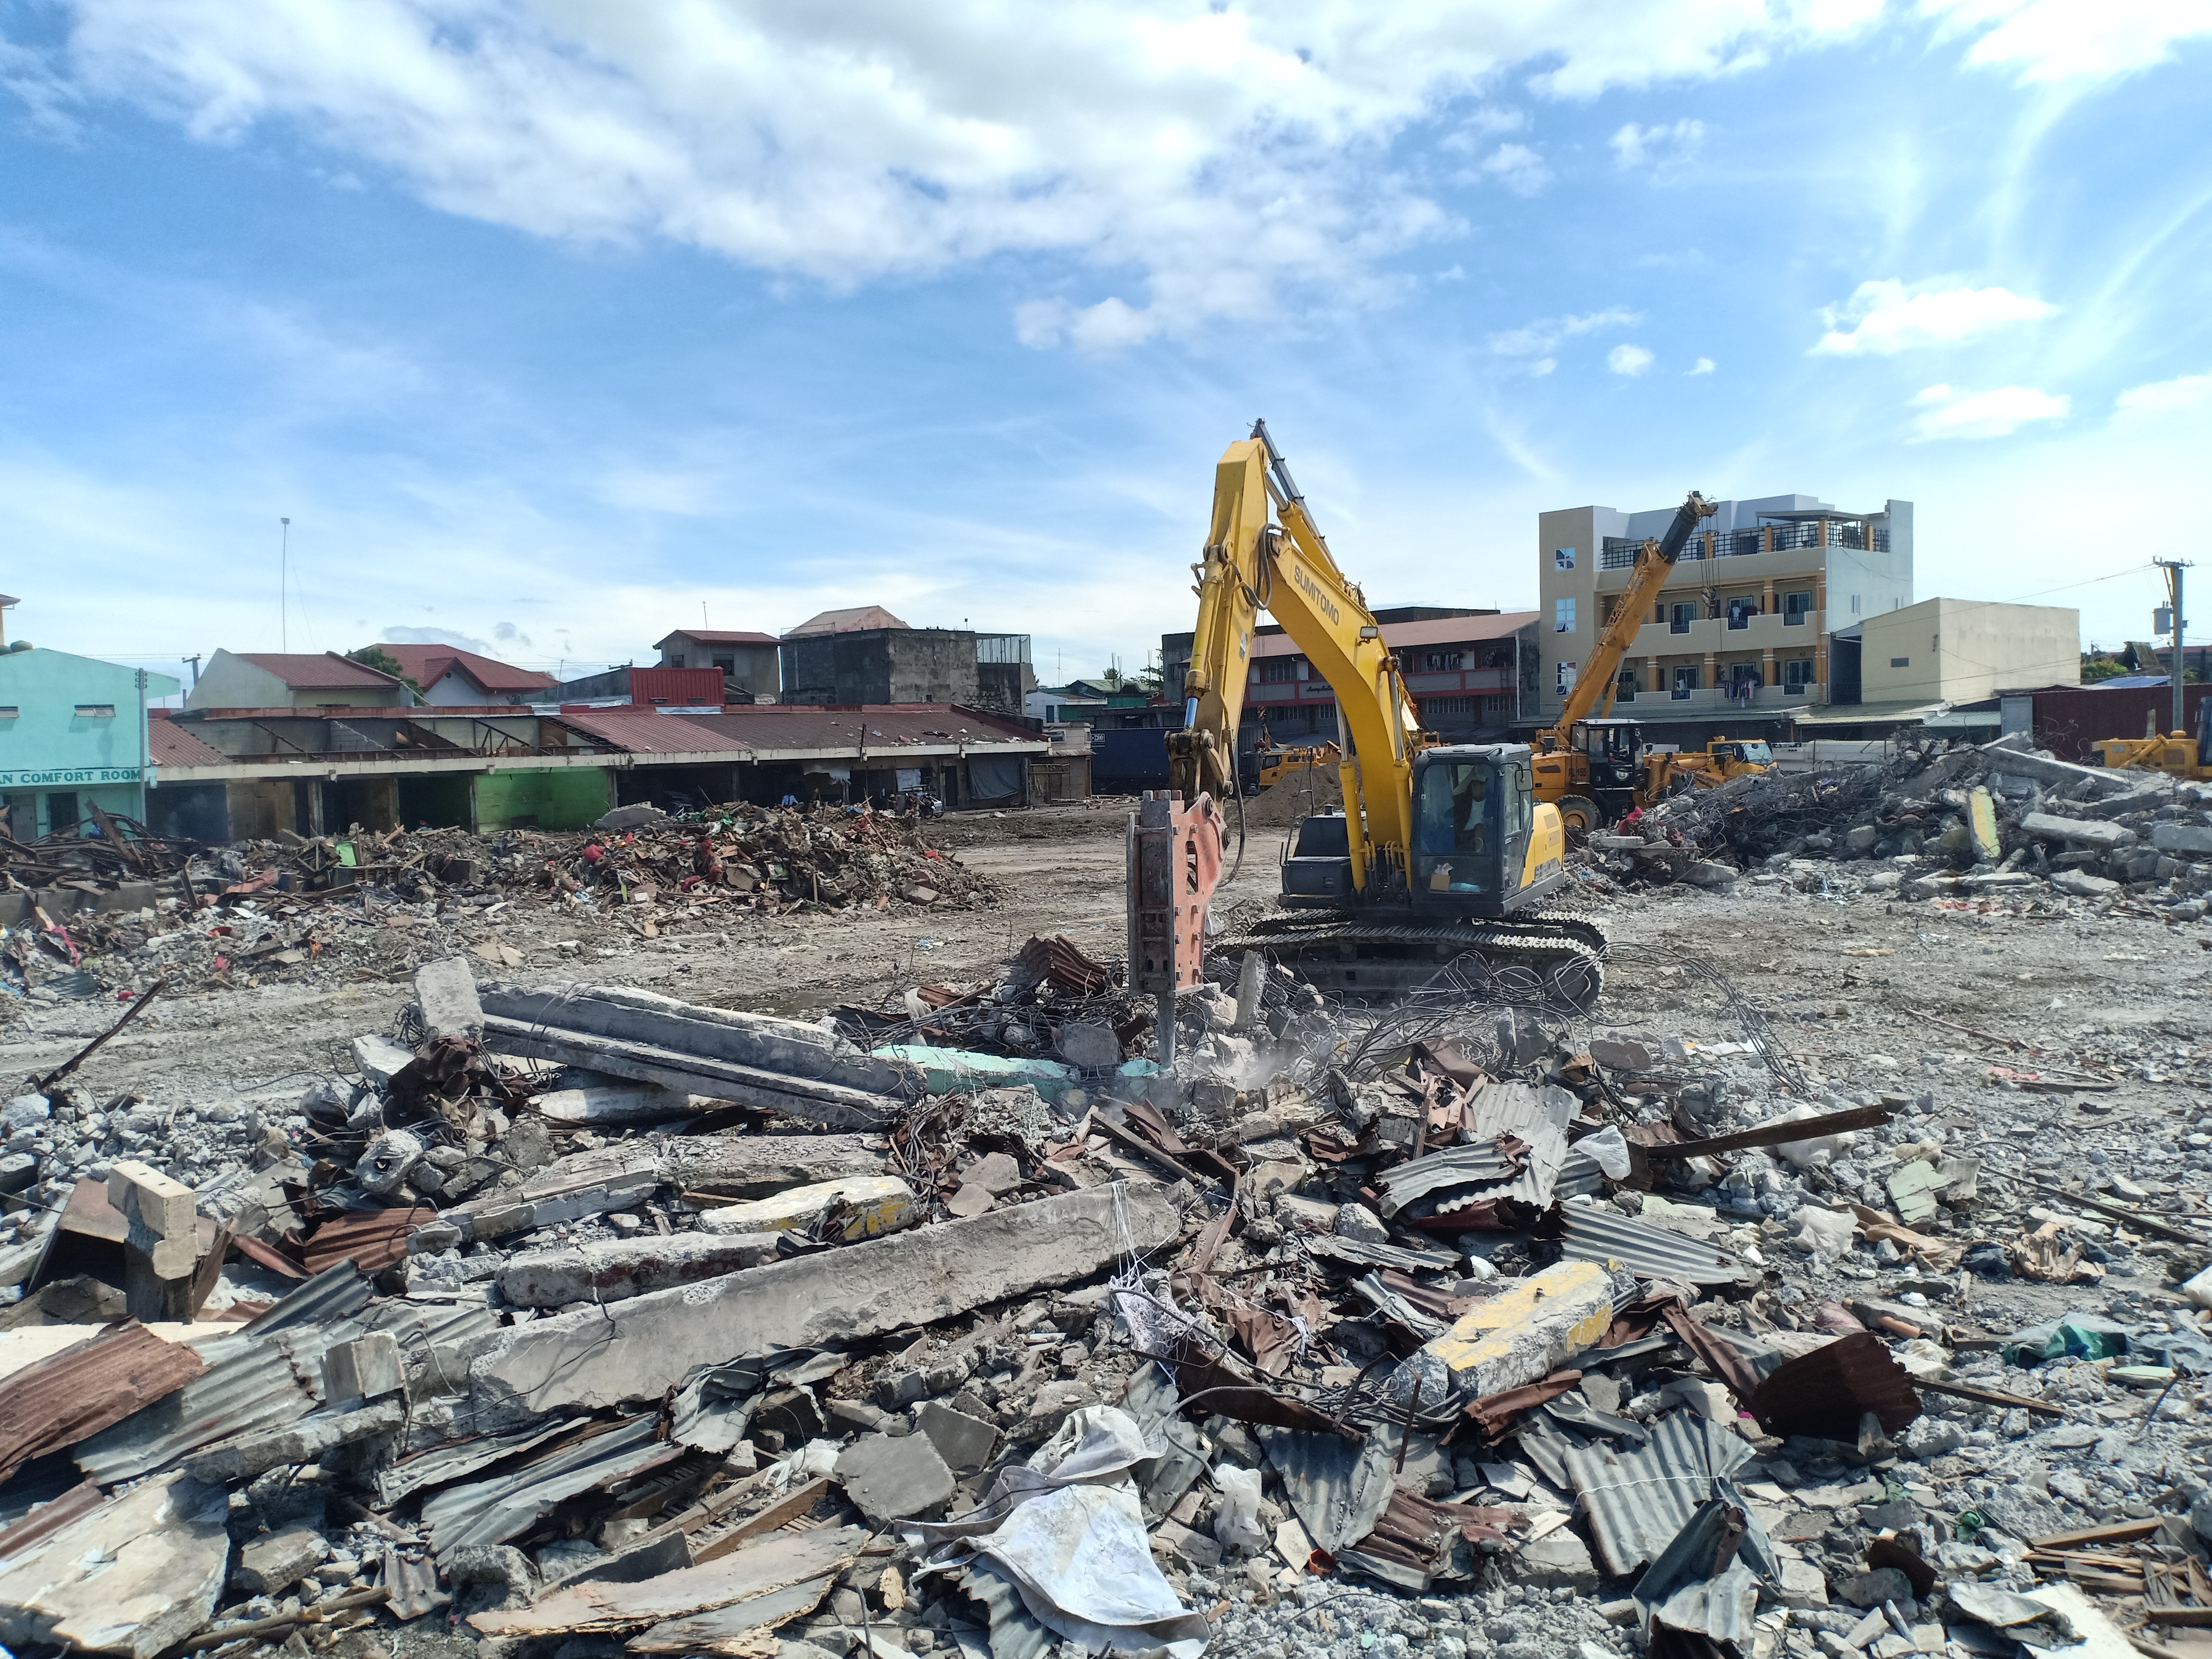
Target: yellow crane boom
x=1600, y=671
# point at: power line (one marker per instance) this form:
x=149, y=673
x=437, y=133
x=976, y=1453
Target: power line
x=2132, y=570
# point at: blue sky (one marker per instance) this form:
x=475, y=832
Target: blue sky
x=549, y=324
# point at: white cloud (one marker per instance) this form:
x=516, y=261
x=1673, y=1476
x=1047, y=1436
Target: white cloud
x=2066, y=40
x=1703, y=366
x=1538, y=338
x=1889, y=316
x=411, y=635
x=1633, y=146
x=1213, y=158
x=1517, y=168
x=1629, y=360
x=1947, y=413
x=2164, y=396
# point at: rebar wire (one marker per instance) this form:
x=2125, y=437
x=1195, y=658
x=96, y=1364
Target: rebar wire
x=1758, y=1031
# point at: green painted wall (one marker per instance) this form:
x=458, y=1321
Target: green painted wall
x=565, y=798
x=56, y=750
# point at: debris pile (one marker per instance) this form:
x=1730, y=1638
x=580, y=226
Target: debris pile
x=1998, y=820
x=578, y=1312
x=373, y=905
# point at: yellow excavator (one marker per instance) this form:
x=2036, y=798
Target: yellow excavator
x=1277, y=763
x=1440, y=850
x=1596, y=769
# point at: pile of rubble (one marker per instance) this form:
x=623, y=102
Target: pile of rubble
x=1991, y=822
x=583, y=1313
x=372, y=907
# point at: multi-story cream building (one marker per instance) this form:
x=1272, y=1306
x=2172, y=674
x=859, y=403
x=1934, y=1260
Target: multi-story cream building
x=1739, y=638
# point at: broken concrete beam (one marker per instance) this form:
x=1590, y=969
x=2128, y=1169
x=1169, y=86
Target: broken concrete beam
x=1529, y=1332
x=619, y=1177
x=2012, y=758
x=862, y=1207
x=162, y=1246
x=759, y=1166
x=615, y=1270
x=640, y=1348
x=649, y=1104
x=380, y=1059
x=835, y=1104
x=135, y=1577
x=787, y=1048
x=446, y=990
x=364, y=1369
x=2192, y=840
x=894, y=1477
x=2081, y=884
x=303, y=1441
x=2079, y=832
x=271, y=1566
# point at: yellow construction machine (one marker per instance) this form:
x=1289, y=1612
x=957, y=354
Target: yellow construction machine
x=1596, y=769
x=2177, y=753
x=1439, y=850
x=1277, y=763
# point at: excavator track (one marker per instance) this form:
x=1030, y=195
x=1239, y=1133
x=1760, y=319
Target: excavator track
x=1351, y=956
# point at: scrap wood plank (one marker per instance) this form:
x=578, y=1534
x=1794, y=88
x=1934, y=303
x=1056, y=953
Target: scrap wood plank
x=2117, y=1532
x=1990, y=1397
x=781, y=1513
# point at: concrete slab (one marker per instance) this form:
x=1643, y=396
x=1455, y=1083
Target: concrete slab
x=640, y=1348
x=966, y=1443
x=615, y=1270
x=893, y=1478
x=761, y=1166
x=136, y=1577
x=446, y=991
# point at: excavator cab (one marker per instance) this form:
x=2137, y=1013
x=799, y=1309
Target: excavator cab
x=1483, y=844
x=1612, y=751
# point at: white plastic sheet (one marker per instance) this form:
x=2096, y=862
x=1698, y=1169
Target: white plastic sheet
x=1069, y=1531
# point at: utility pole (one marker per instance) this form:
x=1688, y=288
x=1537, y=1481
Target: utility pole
x=2173, y=567
x=195, y=660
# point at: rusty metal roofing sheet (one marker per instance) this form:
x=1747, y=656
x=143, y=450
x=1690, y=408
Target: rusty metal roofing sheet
x=1638, y=1500
x=72, y=1395
x=1597, y=1232
x=884, y=733
x=370, y=1239
x=1825, y=1393
x=49, y=1518
x=250, y=1382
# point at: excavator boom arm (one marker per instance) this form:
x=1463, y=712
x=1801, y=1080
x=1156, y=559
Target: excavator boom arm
x=1654, y=561
x=1263, y=551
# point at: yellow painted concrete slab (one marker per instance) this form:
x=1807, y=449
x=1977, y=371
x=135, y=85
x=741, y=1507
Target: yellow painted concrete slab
x=871, y=1204
x=1981, y=816
x=1530, y=1330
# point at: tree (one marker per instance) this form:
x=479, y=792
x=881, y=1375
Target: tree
x=384, y=663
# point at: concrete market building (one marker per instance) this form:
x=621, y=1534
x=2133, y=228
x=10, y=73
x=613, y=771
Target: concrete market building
x=73, y=735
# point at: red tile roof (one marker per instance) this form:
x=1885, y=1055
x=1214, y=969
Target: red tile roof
x=303, y=673
x=426, y=665
x=170, y=745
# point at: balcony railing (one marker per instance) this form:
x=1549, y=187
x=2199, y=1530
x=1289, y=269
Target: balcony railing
x=1618, y=552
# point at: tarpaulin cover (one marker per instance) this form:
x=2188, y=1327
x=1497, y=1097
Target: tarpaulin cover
x=1067, y=1530
x=995, y=777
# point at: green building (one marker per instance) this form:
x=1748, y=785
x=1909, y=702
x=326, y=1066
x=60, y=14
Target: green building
x=72, y=736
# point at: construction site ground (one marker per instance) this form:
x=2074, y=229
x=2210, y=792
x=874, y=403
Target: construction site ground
x=1859, y=988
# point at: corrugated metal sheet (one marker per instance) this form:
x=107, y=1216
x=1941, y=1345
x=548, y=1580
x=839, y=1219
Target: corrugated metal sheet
x=1639, y=1499
x=250, y=1382
x=884, y=732
x=370, y=1239
x=336, y=1293
x=442, y=1466
x=1689, y=1588
x=72, y=1395
x=1377, y=1255
x=492, y=1512
x=2070, y=720
x=1340, y=1489
x=1598, y=1232
x=48, y=1519
x=413, y=1584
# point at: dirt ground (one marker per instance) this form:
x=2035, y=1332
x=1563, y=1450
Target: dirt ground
x=1872, y=995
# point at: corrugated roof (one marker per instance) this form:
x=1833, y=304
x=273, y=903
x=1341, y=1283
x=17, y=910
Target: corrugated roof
x=848, y=621
x=492, y=1512
x=798, y=728
x=1600, y=1233
x=426, y=665
x=74, y=1395
x=718, y=636
x=327, y=671
x=1338, y=1488
x=170, y=745
x=1437, y=630
x=1470, y=1174
x=1825, y=1393
x=1639, y=1500
x=250, y=1382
